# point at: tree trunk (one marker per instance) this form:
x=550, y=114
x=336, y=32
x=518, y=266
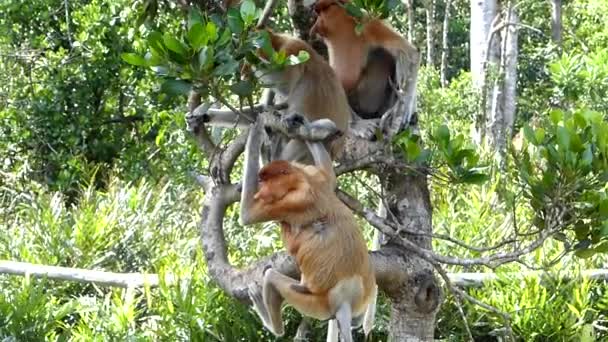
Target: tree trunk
x=411, y=28
x=414, y=301
x=444, y=44
x=430, y=30
x=502, y=115
x=483, y=13
x=556, y=23
x=484, y=57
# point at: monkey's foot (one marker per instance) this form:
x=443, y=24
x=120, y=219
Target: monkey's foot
x=255, y=294
x=365, y=129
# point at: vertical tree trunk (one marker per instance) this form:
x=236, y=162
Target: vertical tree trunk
x=510, y=79
x=414, y=304
x=411, y=34
x=502, y=116
x=444, y=44
x=430, y=30
x=483, y=13
x=556, y=23
x=484, y=57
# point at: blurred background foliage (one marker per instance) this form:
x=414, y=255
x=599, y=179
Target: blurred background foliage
x=94, y=163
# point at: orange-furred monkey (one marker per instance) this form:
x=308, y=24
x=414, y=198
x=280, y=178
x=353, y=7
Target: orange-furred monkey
x=365, y=61
x=318, y=230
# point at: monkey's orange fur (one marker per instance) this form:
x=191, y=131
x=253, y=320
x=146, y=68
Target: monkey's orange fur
x=325, y=255
x=363, y=70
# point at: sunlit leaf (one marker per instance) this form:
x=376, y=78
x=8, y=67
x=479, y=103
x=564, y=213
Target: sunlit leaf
x=176, y=87
x=133, y=59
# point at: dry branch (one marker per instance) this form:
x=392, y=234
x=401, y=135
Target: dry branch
x=81, y=275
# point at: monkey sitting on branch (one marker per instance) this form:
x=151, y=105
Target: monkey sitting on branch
x=318, y=230
x=370, y=64
x=311, y=88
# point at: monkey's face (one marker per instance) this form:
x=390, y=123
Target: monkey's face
x=331, y=16
x=282, y=186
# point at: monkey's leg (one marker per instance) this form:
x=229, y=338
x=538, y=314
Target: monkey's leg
x=332, y=331
x=344, y=318
x=299, y=296
x=259, y=306
x=296, y=150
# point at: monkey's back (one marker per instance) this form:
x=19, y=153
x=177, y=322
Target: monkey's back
x=335, y=252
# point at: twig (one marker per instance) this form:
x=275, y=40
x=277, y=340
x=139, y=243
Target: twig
x=268, y=8
x=452, y=288
x=491, y=261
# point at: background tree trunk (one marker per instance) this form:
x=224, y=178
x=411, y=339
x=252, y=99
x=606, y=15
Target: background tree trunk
x=484, y=57
x=444, y=44
x=411, y=28
x=556, y=23
x=502, y=114
x=483, y=13
x=430, y=32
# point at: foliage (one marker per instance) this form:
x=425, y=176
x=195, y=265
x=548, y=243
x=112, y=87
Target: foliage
x=88, y=137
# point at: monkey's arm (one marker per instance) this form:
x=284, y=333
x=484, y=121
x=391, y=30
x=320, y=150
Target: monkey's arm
x=322, y=160
x=224, y=117
x=252, y=209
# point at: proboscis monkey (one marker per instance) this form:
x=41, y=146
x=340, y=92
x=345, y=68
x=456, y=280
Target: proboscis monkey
x=365, y=61
x=312, y=89
x=318, y=230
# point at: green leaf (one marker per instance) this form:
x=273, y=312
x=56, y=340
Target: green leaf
x=211, y=32
x=529, y=134
x=563, y=137
x=248, y=11
x=153, y=60
x=176, y=87
x=603, y=209
x=224, y=38
x=155, y=41
x=205, y=58
x=197, y=36
x=539, y=135
x=242, y=88
x=353, y=10
x=359, y=29
x=585, y=253
x=302, y=57
x=602, y=247
x=556, y=116
x=443, y=135
x=226, y=68
x=195, y=17
x=174, y=45
x=235, y=23
x=473, y=177
x=133, y=59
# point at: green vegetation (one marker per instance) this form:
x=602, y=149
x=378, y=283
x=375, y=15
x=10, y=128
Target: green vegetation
x=95, y=162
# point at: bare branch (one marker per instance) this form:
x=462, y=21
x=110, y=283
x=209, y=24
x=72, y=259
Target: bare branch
x=392, y=230
x=81, y=275
x=268, y=8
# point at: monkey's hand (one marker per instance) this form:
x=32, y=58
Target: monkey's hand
x=296, y=126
